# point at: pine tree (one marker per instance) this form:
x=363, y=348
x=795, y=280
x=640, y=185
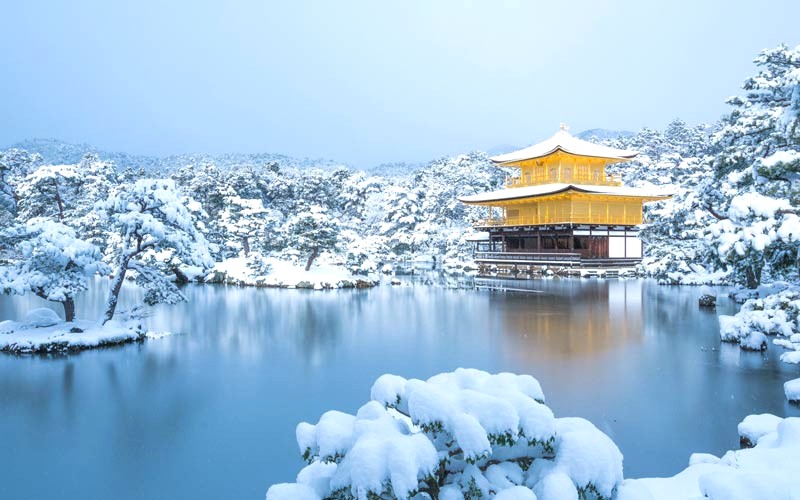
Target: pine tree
x=755, y=186
x=312, y=230
x=151, y=216
x=50, y=262
x=49, y=191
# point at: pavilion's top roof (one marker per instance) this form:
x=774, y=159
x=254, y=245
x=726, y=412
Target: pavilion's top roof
x=546, y=189
x=565, y=142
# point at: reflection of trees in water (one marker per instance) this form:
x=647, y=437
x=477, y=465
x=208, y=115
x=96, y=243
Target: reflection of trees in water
x=150, y=403
x=89, y=304
x=134, y=395
x=433, y=277
x=568, y=317
x=670, y=307
x=252, y=322
x=26, y=388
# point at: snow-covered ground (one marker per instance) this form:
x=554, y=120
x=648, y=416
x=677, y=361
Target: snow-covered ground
x=285, y=274
x=43, y=331
x=767, y=471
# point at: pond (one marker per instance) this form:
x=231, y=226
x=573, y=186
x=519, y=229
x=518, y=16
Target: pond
x=210, y=412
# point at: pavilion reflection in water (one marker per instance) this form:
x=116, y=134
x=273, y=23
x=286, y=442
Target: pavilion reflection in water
x=581, y=318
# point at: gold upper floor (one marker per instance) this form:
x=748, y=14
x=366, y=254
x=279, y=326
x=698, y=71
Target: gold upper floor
x=561, y=167
x=567, y=208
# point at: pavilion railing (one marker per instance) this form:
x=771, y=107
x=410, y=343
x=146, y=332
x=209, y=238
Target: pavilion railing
x=528, y=257
x=628, y=220
x=607, y=180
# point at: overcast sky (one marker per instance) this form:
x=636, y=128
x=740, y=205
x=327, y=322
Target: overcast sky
x=367, y=82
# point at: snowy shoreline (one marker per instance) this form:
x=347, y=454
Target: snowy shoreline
x=240, y=271
x=43, y=332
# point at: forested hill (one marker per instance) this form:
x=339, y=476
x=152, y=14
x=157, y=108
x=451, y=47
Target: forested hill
x=56, y=152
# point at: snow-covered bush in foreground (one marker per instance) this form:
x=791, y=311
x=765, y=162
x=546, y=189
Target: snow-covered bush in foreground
x=769, y=470
x=461, y=435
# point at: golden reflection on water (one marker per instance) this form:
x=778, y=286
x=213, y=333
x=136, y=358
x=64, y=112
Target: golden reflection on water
x=563, y=321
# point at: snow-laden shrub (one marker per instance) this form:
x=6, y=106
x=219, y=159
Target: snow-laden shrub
x=42, y=317
x=259, y=264
x=461, y=435
x=776, y=314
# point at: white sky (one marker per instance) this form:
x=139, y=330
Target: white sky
x=370, y=81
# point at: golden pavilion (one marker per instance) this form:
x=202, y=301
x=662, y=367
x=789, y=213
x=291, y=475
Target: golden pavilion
x=562, y=206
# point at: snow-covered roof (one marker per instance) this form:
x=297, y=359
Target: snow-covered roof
x=565, y=142
x=545, y=189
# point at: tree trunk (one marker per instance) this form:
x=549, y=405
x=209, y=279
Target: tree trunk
x=59, y=202
x=753, y=275
x=246, y=246
x=180, y=276
x=69, y=309
x=116, y=286
x=311, y=258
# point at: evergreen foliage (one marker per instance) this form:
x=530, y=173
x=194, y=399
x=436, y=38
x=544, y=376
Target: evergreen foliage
x=49, y=261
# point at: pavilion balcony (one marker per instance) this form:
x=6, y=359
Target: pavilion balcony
x=548, y=219
x=520, y=260
x=607, y=180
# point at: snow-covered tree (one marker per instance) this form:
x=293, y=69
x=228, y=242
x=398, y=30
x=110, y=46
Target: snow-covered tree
x=673, y=238
x=50, y=262
x=363, y=252
x=673, y=156
x=312, y=230
x=15, y=164
x=755, y=188
x=688, y=141
x=49, y=191
x=151, y=216
x=244, y=223
x=98, y=179
x=461, y=435
x=402, y=215
x=8, y=200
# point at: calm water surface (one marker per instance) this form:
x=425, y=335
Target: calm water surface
x=210, y=413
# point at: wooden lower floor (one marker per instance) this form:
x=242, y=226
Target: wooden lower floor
x=567, y=245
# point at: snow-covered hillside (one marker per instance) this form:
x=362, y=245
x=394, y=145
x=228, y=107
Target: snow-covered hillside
x=57, y=152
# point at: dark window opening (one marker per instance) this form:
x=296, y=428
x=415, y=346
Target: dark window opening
x=582, y=242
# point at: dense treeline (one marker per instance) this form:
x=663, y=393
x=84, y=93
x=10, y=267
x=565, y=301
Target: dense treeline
x=734, y=216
